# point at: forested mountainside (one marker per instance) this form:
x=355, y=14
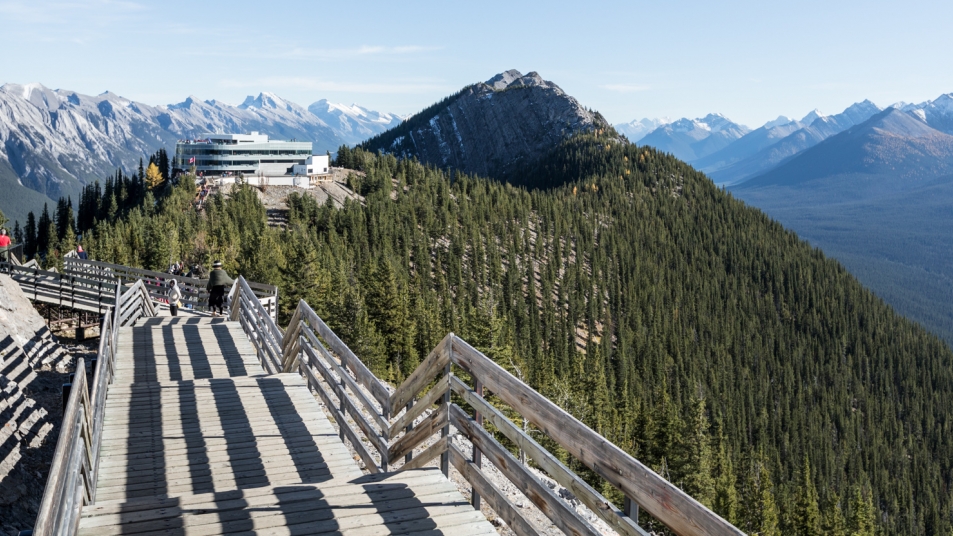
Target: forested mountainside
x=690, y=329
x=493, y=129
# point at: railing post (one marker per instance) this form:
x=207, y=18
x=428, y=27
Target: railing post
x=477, y=453
x=386, y=414
x=445, y=433
x=407, y=429
x=340, y=393
x=630, y=509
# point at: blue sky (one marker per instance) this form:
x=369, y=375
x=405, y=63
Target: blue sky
x=748, y=60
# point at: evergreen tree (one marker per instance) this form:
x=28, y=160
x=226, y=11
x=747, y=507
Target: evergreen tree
x=697, y=467
x=833, y=518
x=726, y=499
x=45, y=231
x=53, y=255
x=861, y=516
x=29, y=236
x=806, y=515
x=17, y=233
x=768, y=522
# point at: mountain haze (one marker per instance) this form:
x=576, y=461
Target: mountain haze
x=815, y=131
x=893, y=148
x=637, y=129
x=877, y=198
x=691, y=139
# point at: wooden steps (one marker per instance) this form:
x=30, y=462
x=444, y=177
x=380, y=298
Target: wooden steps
x=197, y=439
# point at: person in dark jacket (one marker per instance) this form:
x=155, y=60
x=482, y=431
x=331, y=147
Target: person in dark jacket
x=218, y=283
x=81, y=253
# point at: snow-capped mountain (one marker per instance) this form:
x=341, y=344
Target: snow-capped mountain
x=54, y=141
x=937, y=113
x=814, y=128
x=691, y=139
x=779, y=122
x=637, y=129
x=354, y=123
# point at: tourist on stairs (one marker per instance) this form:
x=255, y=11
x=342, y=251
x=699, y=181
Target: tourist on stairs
x=175, y=295
x=218, y=281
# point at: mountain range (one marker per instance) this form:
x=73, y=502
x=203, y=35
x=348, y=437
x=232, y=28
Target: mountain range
x=52, y=142
x=731, y=153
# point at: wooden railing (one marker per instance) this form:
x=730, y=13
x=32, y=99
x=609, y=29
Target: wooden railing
x=258, y=323
x=75, y=291
x=194, y=294
x=12, y=254
x=74, y=472
x=396, y=422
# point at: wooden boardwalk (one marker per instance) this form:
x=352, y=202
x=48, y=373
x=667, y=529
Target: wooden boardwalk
x=198, y=439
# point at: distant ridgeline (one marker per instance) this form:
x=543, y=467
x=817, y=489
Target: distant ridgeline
x=686, y=327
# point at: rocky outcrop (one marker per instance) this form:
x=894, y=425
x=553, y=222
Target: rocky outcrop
x=491, y=128
x=30, y=405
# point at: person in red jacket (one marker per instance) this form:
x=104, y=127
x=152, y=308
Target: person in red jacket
x=4, y=246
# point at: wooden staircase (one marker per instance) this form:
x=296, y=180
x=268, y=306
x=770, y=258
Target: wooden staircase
x=198, y=439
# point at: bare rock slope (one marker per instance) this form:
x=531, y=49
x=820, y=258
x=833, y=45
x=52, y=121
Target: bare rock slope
x=32, y=369
x=491, y=128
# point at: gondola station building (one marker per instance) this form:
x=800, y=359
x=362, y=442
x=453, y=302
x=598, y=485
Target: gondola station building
x=252, y=156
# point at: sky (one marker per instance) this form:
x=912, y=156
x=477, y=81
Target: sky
x=749, y=60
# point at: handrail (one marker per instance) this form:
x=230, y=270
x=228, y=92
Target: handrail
x=245, y=307
x=75, y=469
x=385, y=419
x=193, y=289
x=14, y=253
x=66, y=290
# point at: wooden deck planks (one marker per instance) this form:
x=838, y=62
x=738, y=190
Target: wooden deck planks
x=401, y=503
x=197, y=439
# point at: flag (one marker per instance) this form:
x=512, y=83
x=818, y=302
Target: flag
x=192, y=160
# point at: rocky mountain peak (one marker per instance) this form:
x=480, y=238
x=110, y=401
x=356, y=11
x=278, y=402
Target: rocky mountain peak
x=266, y=100
x=504, y=79
x=812, y=116
x=513, y=78
x=486, y=130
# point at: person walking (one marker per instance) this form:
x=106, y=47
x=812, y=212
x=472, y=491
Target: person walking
x=4, y=246
x=81, y=253
x=218, y=280
x=175, y=296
